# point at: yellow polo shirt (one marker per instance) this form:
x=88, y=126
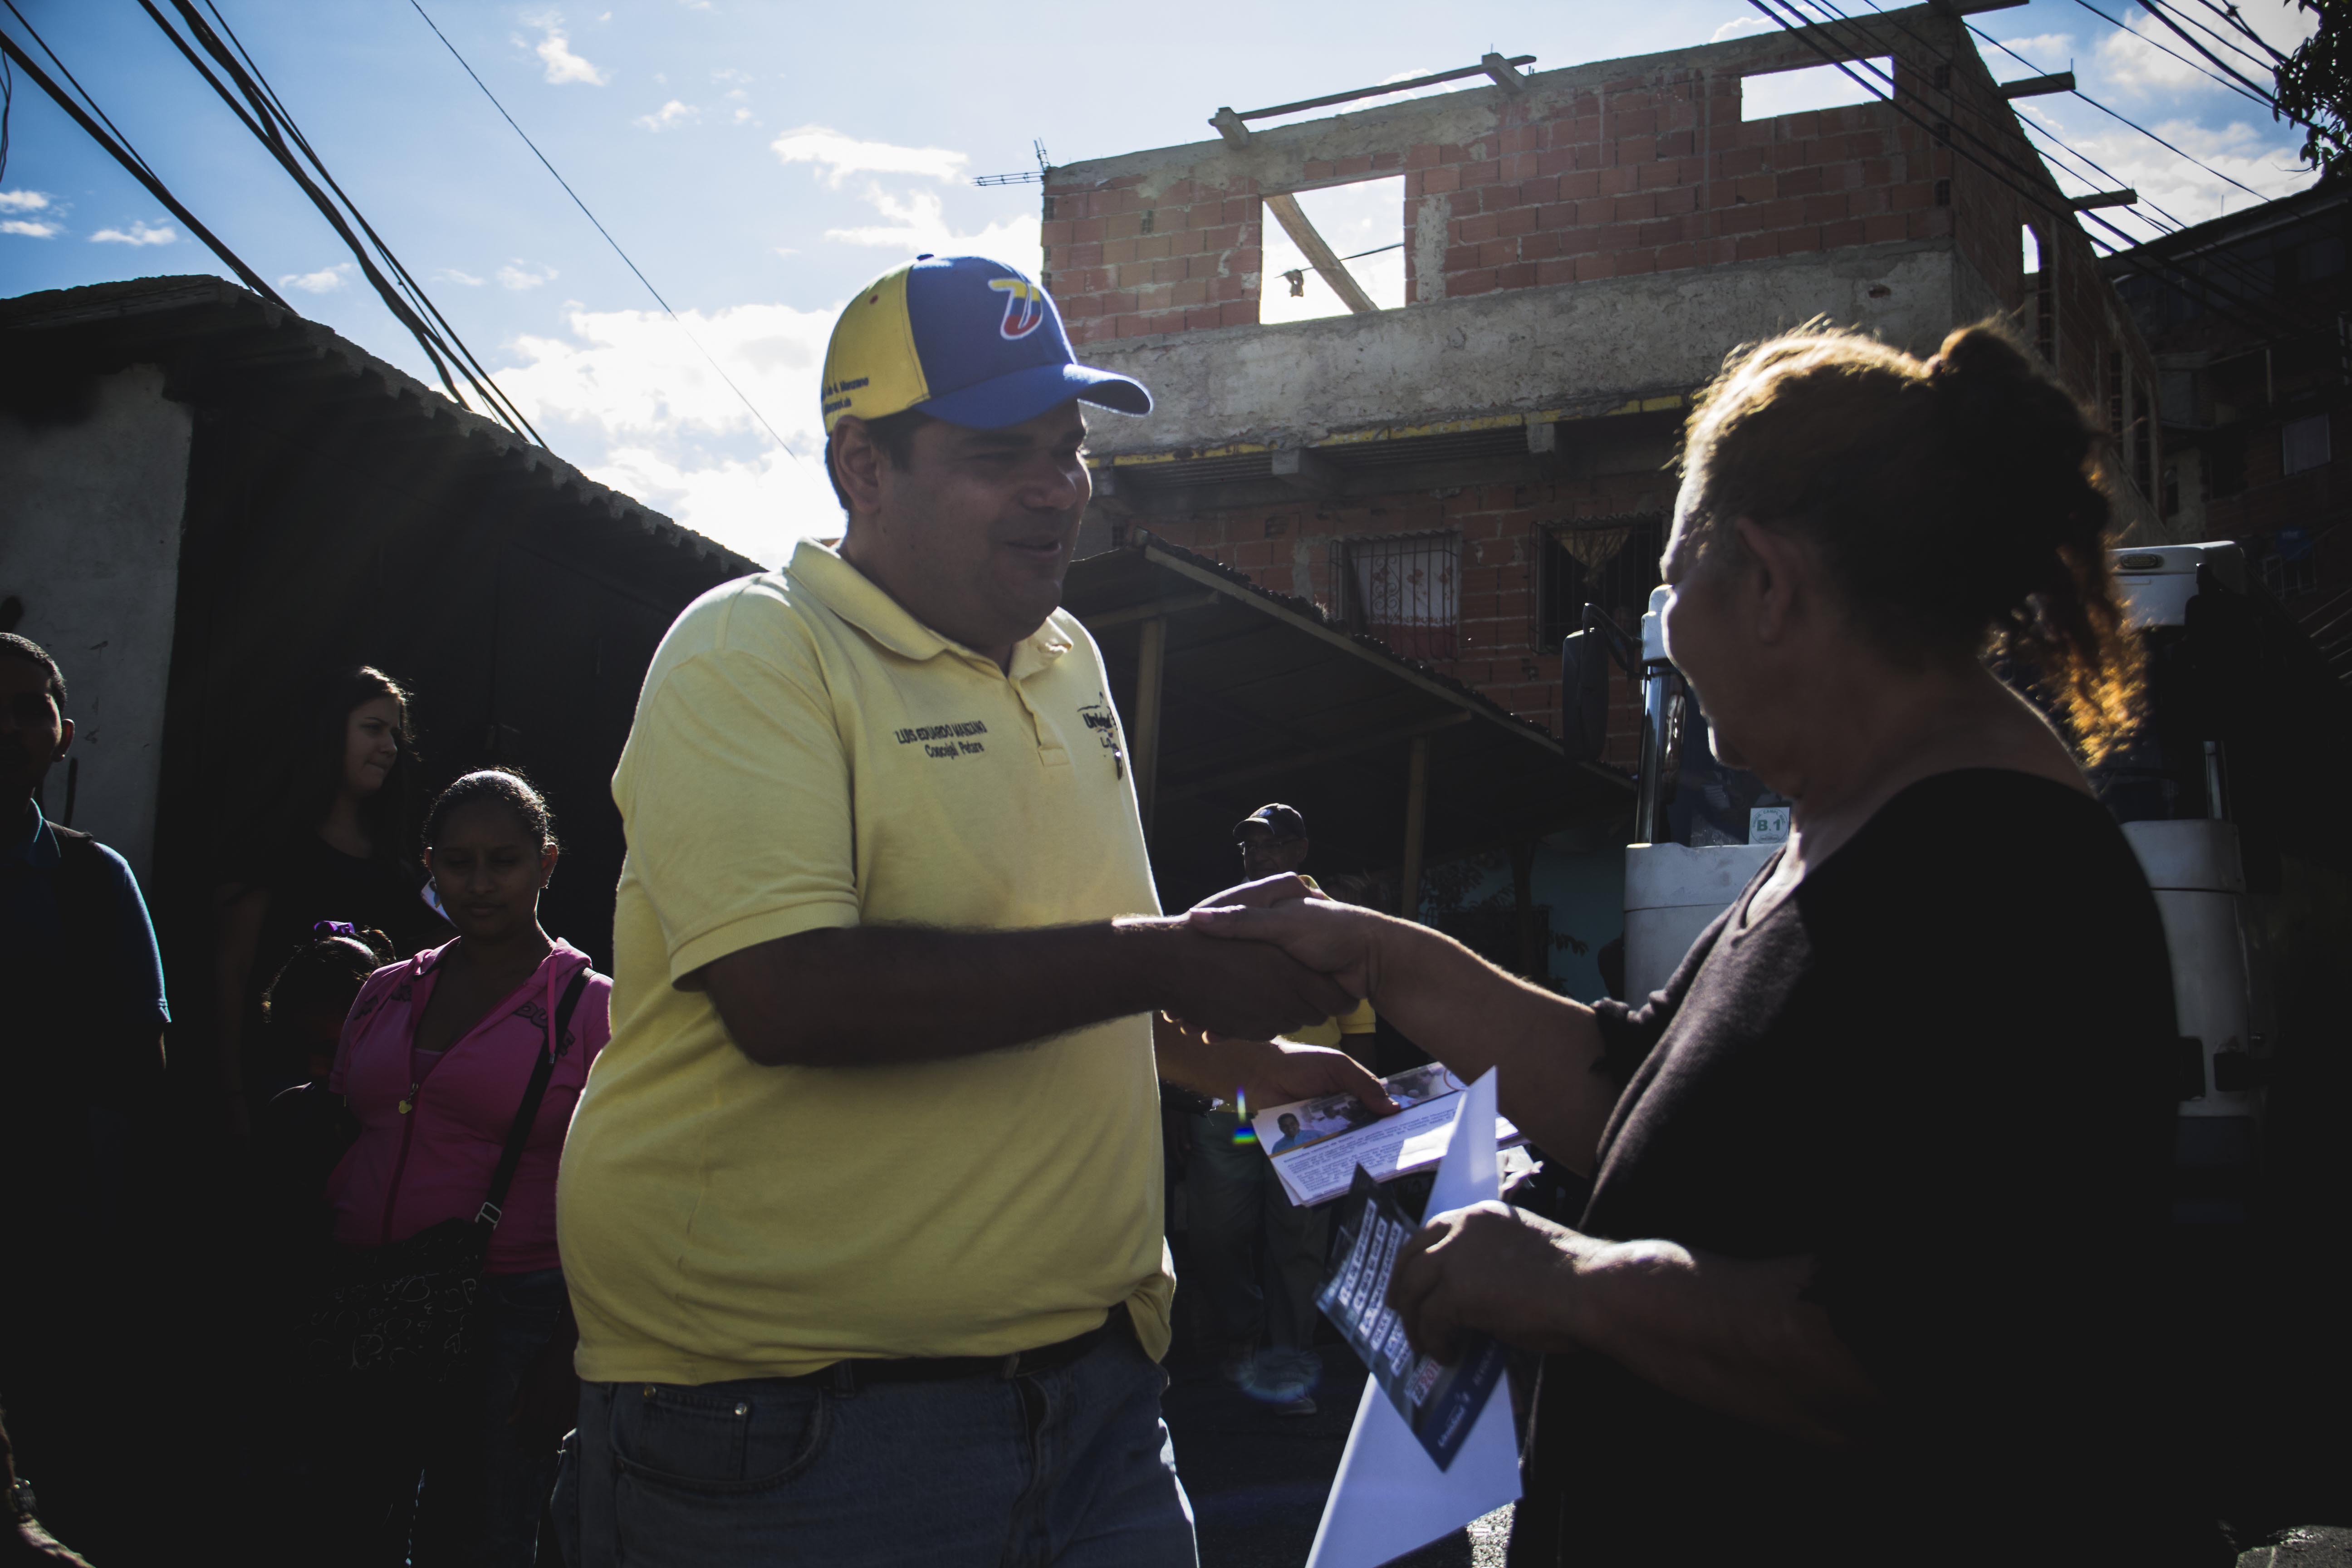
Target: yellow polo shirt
x=806, y=753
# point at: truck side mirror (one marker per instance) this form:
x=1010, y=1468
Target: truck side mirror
x=1583, y=696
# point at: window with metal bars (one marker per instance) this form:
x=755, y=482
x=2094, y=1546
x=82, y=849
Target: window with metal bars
x=1611, y=562
x=1404, y=589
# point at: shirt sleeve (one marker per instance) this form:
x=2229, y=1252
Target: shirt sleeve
x=735, y=791
x=141, y=964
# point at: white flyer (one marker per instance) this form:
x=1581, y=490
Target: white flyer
x=1316, y=1144
x=1390, y=1495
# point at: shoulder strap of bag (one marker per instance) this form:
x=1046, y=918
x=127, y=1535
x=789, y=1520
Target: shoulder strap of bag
x=528, y=1112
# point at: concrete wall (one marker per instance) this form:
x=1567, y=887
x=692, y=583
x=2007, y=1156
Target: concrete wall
x=90, y=540
x=1528, y=349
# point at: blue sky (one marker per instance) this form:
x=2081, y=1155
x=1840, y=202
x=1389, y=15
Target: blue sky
x=760, y=160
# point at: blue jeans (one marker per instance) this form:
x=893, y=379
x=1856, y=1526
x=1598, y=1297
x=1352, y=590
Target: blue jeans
x=1073, y=1469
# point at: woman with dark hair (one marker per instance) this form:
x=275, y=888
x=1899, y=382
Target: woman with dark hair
x=435, y=1062
x=1867, y=1273
x=333, y=847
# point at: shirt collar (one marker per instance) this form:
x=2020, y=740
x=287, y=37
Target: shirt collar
x=32, y=842
x=859, y=600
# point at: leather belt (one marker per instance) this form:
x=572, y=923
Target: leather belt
x=847, y=1376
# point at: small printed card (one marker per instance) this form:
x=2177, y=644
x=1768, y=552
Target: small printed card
x=1439, y=1403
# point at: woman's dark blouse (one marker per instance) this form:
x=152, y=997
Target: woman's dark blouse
x=1943, y=1068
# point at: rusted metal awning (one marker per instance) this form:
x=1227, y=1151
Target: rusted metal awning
x=1234, y=696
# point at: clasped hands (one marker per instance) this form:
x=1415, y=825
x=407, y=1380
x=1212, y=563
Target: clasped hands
x=1490, y=1267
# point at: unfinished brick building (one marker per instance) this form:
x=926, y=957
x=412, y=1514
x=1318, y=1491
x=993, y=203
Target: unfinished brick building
x=1583, y=246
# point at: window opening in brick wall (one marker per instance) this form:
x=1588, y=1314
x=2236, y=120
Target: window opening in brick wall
x=2032, y=246
x=1770, y=94
x=2303, y=444
x=1364, y=226
x=1404, y=589
x=1610, y=562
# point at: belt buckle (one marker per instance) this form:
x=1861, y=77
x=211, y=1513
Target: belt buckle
x=1011, y=1367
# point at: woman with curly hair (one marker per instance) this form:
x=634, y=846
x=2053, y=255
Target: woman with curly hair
x=1867, y=1271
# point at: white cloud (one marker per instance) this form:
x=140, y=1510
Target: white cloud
x=675, y=435
x=138, y=234
x=451, y=275
x=920, y=222
x=842, y=156
x=2261, y=156
x=325, y=280
x=742, y=116
x=2042, y=46
x=520, y=275
x=672, y=113
x=2132, y=60
x=24, y=201
x=1739, y=27
x=34, y=228
x=728, y=73
x=554, y=52
x=758, y=507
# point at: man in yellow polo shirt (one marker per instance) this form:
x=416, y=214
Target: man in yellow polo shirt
x=860, y=1209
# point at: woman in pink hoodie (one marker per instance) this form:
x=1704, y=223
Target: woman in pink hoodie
x=435, y=1061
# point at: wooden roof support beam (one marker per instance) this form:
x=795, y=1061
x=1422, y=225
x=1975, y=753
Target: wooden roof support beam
x=1320, y=255
x=1177, y=607
x=2039, y=85
x=1506, y=76
x=2123, y=198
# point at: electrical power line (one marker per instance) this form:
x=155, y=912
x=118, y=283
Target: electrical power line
x=2255, y=284
x=751, y=408
x=2159, y=45
x=272, y=126
x=2038, y=191
x=122, y=153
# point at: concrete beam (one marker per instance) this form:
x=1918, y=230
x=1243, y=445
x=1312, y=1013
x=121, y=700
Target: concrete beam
x=1599, y=342
x=1506, y=76
x=2039, y=85
x=1306, y=471
x=1229, y=126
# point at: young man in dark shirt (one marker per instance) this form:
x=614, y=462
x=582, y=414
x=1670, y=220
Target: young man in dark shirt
x=81, y=1050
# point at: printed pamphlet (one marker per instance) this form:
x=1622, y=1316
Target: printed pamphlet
x=1440, y=1403
x=1316, y=1144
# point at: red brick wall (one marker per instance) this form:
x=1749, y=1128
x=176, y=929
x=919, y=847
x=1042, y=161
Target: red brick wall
x=1122, y=262
x=1644, y=176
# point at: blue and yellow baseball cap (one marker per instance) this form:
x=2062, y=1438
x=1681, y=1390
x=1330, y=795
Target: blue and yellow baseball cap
x=966, y=340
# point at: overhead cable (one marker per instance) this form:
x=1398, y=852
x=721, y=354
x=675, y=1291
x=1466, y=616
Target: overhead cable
x=2255, y=284
x=2041, y=191
x=271, y=125
x=2159, y=45
x=2263, y=94
x=600, y=229
x=2281, y=318
x=123, y=153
